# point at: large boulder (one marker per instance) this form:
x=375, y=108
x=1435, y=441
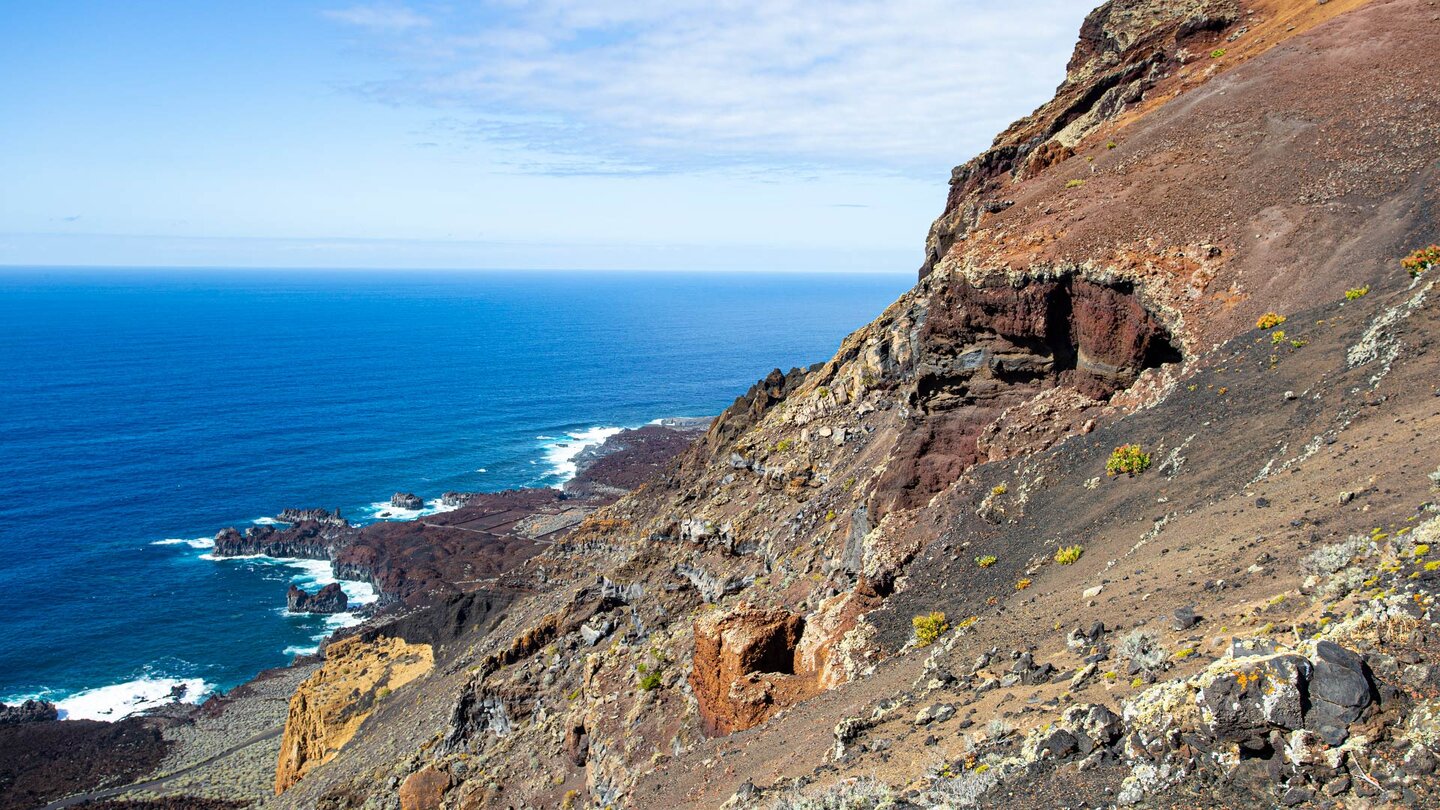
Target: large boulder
x=1260, y=694
x=407, y=500
x=1340, y=689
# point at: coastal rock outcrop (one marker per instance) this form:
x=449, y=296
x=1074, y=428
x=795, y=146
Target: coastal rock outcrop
x=31, y=711
x=330, y=705
x=329, y=599
x=306, y=540
x=407, y=500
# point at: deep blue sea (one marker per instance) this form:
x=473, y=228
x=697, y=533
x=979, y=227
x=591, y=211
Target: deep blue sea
x=143, y=410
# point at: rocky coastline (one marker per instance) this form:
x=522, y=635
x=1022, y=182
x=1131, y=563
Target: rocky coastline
x=417, y=566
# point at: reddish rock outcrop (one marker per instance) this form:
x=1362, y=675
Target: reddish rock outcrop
x=745, y=666
x=988, y=348
x=424, y=789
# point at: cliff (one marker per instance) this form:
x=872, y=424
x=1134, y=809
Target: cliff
x=919, y=574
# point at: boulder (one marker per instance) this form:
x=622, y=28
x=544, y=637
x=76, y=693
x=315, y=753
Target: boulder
x=1259, y=695
x=407, y=500
x=1340, y=689
x=424, y=789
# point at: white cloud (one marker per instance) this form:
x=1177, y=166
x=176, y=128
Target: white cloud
x=379, y=17
x=897, y=85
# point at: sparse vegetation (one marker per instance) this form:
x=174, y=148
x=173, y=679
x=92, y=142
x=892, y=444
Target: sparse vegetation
x=1022, y=584
x=1143, y=650
x=1277, y=336
x=929, y=628
x=1421, y=260
x=1111, y=145
x=1357, y=292
x=1217, y=53
x=1270, y=320
x=650, y=681
x=830, y=515
x=985, y=560
x=999, y=489
x=1076, y=183
x=1128, y=459
x=783, y=446
x=1069, y=555
x=852, y=794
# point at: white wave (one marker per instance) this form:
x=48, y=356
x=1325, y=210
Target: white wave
x=124, y=699
x=382, y=510
x=298, y=650
x=197, y=542
x=312, y=573
x=319, y=573
x=265, y=521
x=482, y=470
x=560, y=454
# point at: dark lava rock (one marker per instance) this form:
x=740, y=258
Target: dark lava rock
x=1340, y=689
x=31, y=711
x=1058, y=746
x=407, y=500
x=1186, y=618
x=329, y=599
x=1256, y=697
x=454, y=499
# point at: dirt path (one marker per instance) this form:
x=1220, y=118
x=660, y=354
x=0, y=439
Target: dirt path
x=71, y=801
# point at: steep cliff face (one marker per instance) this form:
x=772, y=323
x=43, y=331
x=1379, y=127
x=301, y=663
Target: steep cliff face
x=1094, y=281
x=330, y=705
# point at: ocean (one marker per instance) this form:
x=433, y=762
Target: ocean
x=144, y=410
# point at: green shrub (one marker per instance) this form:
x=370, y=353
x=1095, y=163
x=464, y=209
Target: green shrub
x=783, y=445
x=985, y=561
x=1128, y=459
x=929, y=628
x=1069, y=555
x=1357, y=292
x=650, y=682
x=1217, y=53
x=1076, y=183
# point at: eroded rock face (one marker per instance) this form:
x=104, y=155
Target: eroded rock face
x=987, y=349
x=330, y=705
x=329, y=599
x=745, y=666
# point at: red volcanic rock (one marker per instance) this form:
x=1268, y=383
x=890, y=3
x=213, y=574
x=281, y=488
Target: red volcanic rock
x=993, y=347
x=744, y=668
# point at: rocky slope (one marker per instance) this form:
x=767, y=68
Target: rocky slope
x=904, y=577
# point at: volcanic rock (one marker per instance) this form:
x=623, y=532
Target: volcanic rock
x=407, y=500
x=31, y=711
x=329, y=599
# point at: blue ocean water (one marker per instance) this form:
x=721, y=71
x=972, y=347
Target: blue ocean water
x=146, y=406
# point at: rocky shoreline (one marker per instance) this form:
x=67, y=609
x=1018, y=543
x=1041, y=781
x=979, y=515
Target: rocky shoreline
x=430, y=561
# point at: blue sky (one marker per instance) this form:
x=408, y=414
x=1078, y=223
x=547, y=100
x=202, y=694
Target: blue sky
x=651, y=134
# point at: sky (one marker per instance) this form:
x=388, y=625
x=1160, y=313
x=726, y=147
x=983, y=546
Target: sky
x=648, y=134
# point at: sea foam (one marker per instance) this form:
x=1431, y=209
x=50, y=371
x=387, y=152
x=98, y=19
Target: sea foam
x=124, y=699
x=560, y=454
x=197, y=542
